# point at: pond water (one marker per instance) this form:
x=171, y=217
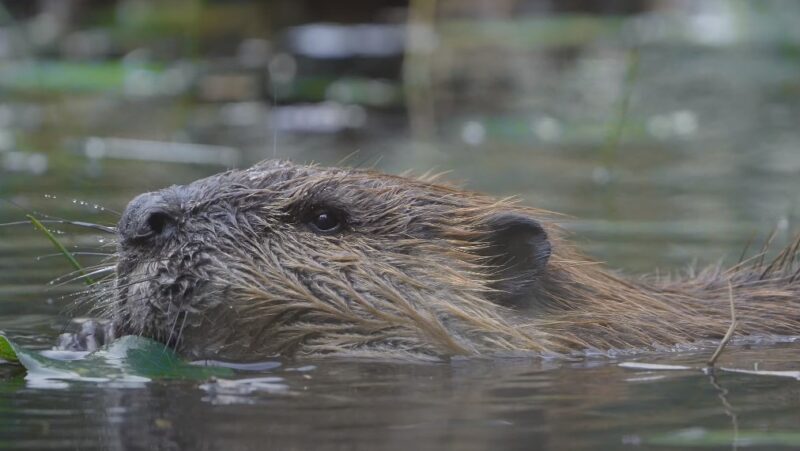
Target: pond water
x=709, y=160
x=485, y=404
x=585, y=403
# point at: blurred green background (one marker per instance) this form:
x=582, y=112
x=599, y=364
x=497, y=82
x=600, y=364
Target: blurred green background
x=666, y=130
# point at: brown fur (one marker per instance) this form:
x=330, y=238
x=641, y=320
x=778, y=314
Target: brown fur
x=240, y=276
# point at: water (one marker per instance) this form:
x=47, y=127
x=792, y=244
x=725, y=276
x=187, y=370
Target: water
x=708, y=161
x=477, y=404
x=588, y=403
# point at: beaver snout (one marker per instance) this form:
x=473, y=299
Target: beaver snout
x=147, y=217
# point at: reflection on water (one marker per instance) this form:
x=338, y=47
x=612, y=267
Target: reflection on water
x=477, y=404
x=512, y=97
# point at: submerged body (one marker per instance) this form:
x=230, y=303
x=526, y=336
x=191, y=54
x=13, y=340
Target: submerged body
x=285, y=259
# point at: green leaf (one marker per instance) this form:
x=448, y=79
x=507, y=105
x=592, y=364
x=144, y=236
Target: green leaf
x=129, y=359
x=7, y=351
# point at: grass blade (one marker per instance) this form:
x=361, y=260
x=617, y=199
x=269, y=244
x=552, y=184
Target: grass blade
x=39, y=226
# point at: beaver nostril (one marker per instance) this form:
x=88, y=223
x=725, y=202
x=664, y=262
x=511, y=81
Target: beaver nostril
x=158, y=221
x=148, y=216
x=153, y=224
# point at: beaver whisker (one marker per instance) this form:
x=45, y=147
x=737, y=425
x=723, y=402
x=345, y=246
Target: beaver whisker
x=87, y=273
x=80, y=271
x=87, y=254
x=172, y=329
x=89, y=225
x=135, y=282
x=102, y=286
x=98, y=296
x=180, y=331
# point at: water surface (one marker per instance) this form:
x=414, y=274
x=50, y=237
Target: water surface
x=515, y=403
x=709, y=160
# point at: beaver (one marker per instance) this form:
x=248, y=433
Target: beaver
x=283, y=259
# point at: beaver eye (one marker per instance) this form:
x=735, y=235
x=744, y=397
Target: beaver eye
x=326, y=221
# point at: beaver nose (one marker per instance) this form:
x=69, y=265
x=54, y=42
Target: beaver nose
x=147, y=216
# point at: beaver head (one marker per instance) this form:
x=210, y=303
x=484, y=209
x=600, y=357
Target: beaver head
x=284, y=259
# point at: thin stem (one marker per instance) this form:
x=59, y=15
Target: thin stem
x=728, y=334
x=88, y=280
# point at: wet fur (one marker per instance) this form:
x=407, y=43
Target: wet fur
x=416, y=272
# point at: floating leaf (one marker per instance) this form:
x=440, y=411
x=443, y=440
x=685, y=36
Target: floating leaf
x=7, y=351
x=129, y=359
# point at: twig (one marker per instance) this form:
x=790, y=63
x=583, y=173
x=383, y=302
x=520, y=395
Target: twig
x=728, y=334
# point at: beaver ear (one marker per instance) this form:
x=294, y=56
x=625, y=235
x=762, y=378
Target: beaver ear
x=518, y=247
